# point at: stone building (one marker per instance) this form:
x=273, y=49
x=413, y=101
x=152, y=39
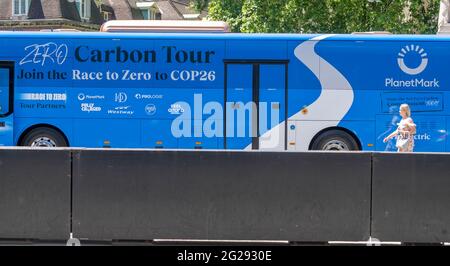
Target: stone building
x=88, y=14
x=444, y=17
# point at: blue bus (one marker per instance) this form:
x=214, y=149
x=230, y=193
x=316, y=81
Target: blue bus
x=222, y=91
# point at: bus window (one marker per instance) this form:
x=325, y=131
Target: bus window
x=4, y=91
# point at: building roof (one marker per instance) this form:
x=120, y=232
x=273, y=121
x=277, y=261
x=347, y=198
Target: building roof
x=53, y=9
x=5, y=9
x=60, y=12
x=48, y=14
x=170, y=9
x=122, y=9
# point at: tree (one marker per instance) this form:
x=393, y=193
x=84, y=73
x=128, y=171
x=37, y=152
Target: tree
x=199, y=5
x=262, y=15
x=357, y=15
x=337, y=16
x=306, y=16
x=227, y=10
x=424, y=16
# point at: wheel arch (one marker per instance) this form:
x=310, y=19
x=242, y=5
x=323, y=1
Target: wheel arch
x=30, y=128
x=351, y=133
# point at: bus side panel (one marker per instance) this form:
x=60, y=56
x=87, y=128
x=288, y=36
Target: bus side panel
x=303, y=86
x=374, y=64
x=114, y=133
x=156, y=133
x=41, y=84
x=190, y=64
x=364, y=130
x=381, y=72
x=304, y=90
x=182, y=72
x=447, y=145
x=113, y=63
x=256, y=50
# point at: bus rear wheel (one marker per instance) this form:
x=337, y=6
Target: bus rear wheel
x=335, y=140
x=44, y=137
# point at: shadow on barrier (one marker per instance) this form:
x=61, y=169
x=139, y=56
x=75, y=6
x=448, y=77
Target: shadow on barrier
x=35, y=194
x=141, y=195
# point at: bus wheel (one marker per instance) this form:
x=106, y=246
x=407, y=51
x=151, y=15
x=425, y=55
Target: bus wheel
x=335, y=140
x=44, y=137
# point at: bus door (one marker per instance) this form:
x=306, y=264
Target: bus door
x=6, y=103
x=255, y=105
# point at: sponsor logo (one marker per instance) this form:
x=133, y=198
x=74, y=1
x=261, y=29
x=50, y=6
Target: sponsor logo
x=150, y=109
x=413, y=83
x=140, y=96
x=176, y=109
x=120, y=97
x=121, y=110
x=424, y=136
x=412, y=53
x=90, y=107
x=412, y=50
x=82, y=97
x=43, y=96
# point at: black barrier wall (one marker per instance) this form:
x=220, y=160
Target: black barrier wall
x=411, y=197
x=223, y=195
x=138, y=195
x=35, y=194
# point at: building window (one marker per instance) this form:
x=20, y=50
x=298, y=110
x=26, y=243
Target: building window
x=20, y=7
x=106, y=15
x=149, y=13
x=84, y=8
x=149, y=10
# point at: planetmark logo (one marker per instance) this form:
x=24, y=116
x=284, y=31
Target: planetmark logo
x=412, y=49
x=81, y=97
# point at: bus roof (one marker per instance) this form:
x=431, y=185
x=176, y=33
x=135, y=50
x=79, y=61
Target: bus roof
x=216, y=36
x=165, y=26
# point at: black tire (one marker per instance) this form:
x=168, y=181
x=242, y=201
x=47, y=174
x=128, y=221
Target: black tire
x=44, y=135
x=336, y=140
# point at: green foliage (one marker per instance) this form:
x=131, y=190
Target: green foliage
x=199, y=5
x=227, y=10
x=319, y=16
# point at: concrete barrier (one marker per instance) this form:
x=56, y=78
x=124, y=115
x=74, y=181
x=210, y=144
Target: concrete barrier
x=35, y=194
x=104, y=195
x=138, y=195
x=411, y=197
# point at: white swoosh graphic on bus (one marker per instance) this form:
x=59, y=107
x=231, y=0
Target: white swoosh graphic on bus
x=335, y=100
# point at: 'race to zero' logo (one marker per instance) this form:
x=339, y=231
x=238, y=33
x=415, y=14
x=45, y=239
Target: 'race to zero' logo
x=413, y=51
